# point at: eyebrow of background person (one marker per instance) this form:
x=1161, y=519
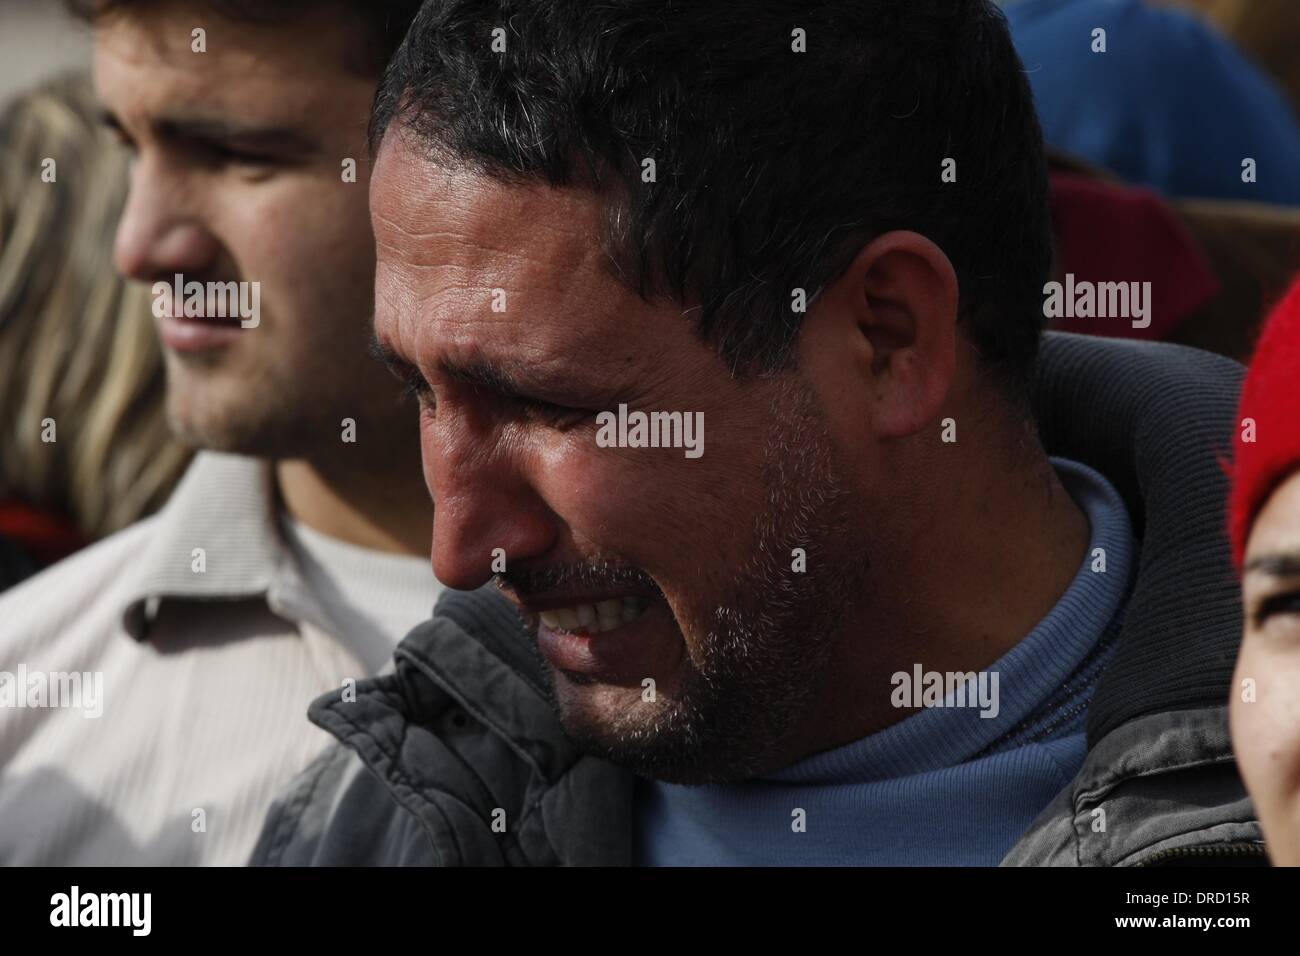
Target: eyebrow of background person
x=1282, y=564
x=216, y=130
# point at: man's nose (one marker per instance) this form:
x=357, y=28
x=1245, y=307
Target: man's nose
x=486, y=513
x=158, y=235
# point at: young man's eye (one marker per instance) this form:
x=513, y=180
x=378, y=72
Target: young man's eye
x=246, y=159
x=1278, y=605
x=231, y=156
x=123, y=139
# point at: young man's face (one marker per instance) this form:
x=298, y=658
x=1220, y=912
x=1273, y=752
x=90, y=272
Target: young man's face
x=239, y=176
x=641, y=564
x=1265, y=702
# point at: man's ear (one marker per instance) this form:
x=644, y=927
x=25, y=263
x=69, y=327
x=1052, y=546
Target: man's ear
x=886, y=331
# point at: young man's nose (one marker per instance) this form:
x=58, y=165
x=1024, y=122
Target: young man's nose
x=158, y=238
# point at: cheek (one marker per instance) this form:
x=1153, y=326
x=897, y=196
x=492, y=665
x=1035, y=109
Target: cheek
x=307, y=241
x=673, y=516
x=605, y=495
x=1266, y=730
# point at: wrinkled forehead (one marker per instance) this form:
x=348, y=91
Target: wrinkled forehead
x=465, y=256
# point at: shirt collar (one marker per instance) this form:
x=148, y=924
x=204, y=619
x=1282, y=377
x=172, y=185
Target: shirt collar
x=215, y=539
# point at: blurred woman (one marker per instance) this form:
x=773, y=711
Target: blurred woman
x=84, y=444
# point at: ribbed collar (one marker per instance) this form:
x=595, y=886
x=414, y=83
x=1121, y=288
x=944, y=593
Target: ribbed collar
x=1028, y=674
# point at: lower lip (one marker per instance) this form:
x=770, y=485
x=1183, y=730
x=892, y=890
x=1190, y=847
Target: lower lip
x=193, y=335
x=626, y=655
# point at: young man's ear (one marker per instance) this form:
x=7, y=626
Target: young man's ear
x=882, y=338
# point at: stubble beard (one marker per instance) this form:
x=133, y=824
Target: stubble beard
x=753, y=671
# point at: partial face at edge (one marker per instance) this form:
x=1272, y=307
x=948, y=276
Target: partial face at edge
x=697, y=551
x=1266, y=729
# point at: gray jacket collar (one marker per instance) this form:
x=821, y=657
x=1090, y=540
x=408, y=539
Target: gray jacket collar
x=1156, y=420
x=476, y=656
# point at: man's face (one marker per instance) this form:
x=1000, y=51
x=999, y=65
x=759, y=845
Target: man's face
x=641, y=564
x=1265, y=702
x=239, y=176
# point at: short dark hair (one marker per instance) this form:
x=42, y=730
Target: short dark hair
x=387, y=20
x=774, y=167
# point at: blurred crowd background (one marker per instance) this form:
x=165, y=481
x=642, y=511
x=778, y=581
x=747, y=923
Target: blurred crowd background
x=38, y=40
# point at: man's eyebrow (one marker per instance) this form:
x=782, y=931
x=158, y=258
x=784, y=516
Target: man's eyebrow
x=218, y=130
x=478, y=372
x=483, y=373
x=401, y=368
x=1283, y=564
x=509, y=382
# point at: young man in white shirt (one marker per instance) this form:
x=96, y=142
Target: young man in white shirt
x=166, y=671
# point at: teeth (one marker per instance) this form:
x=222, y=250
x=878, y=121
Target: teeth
x=595, y=618
x=632, y=608
x=609, y=614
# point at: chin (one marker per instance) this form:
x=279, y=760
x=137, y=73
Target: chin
x=207, y=426
x=656, y=740
x=595, y=710
x=1282, y=833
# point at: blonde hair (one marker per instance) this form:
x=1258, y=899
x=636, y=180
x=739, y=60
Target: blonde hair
x=77, y=343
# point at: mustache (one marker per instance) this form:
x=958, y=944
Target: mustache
x=577, y=578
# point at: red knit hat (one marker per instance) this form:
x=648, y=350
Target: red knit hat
x=1271, y=398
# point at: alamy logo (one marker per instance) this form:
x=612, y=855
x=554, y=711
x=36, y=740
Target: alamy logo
x=74, y=908
x=77, y=689
x=1099, y=300
x=922, y=688
x=209, y=300
x=652, y=430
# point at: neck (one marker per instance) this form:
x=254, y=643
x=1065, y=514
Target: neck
x=969, y=571
x=383, y=506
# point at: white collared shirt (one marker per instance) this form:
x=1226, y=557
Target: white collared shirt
x=197, y=636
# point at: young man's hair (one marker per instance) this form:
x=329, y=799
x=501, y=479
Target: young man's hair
x=772, y=167
x=386, y=20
